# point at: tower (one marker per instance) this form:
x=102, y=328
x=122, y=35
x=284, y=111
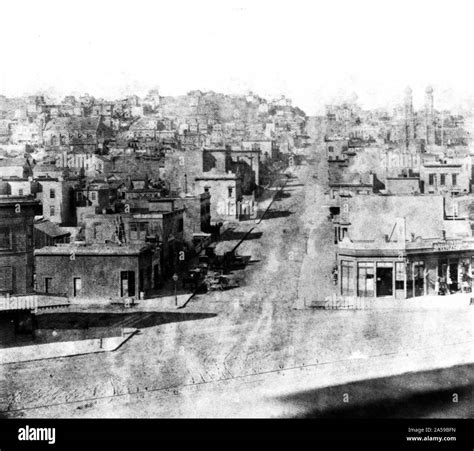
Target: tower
x=429, y=117
x=409, y=119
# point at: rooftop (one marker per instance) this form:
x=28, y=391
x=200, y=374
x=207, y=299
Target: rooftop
x=51, y=229
x=373, y=217
x=93, y=250
x=7, y=200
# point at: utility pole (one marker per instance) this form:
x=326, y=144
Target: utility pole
x=175, y=280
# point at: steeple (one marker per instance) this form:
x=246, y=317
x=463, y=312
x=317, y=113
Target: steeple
x=429, y=117
x=409, y=119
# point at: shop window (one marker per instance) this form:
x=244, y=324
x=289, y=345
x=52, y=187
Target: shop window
x=347, y=273
x=365, y=279
x=400, y=271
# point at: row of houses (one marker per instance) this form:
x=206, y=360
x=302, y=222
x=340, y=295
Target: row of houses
x=105, y=237
x=39, y=256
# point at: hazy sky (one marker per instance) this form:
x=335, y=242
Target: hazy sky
x=313, y=51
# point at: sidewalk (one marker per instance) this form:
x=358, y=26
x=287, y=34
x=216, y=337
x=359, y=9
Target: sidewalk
x=63, y=349
x=452, y=301
x=161, y=304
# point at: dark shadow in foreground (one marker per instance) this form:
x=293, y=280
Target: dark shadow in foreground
x=138, y=320
x=232, y=235
x=273, y=214
x=442, y=393
x=70, y=326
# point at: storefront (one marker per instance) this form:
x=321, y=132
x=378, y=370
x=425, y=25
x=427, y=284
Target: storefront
x=421, y=268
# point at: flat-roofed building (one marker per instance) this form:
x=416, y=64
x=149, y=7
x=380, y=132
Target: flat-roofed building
x=402, y=246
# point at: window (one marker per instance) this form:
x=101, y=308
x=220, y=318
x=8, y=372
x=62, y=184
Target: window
x=138, y=230
x=96, y=227
x=5, y=238
x=180, y=225
x=206, y=189
x=6, y=278
x=20, y=192
x=454, y=179
x=365, y=279
x=347, y=271
x=431, y=179
x=400, y=272
x=230, y=189
x=29, y=236
x=77, y=286
x=143, y=227
x=48, y=284
x=93, y=195
x=52, y=193
x=442, y=180
x=330, y=149
x=154, y=229
x=134, y=231
x=52, y=210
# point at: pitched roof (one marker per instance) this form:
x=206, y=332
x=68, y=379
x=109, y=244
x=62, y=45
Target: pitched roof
x=51, y=229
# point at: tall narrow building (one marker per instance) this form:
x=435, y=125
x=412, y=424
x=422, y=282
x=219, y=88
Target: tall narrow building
x=409, y=119
x=429, y=117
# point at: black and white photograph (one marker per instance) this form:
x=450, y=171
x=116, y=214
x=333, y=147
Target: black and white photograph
x=236, y=210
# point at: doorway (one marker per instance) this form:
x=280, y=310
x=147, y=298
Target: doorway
x=127, y=283
x=77, y=286
x=453, y=284
x=419, y=278
x=384, y=281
